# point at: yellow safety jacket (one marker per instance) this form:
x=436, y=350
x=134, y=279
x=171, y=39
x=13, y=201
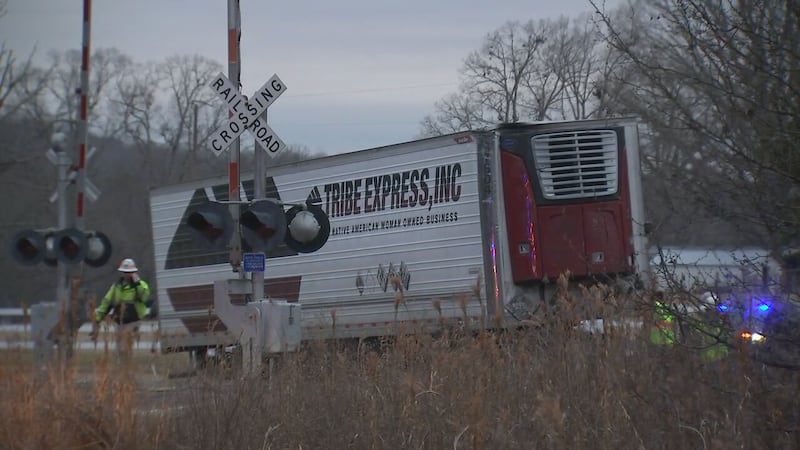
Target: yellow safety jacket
x=128, y=300
x=663, y=330
x=712, y=345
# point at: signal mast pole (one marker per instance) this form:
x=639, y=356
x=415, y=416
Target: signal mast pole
x=234, y=74
x=259, y=192
x=63, y=161
x=64, y=298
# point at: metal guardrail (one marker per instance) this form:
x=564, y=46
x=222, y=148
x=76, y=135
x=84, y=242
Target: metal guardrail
x=13, y=312
x=145, y=328
x=15, y=333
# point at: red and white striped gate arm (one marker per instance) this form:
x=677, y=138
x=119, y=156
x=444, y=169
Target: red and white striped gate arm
x=234, y=71
x=83, y=124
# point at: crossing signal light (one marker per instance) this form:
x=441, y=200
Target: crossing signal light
x=263, y=225
x=68, y=246
x=309, y=228
x=28, y=247
x=211, y=224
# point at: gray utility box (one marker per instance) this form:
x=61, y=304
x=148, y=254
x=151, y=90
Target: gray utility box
x=280, y=325
x=271, y=325
x=44, y=317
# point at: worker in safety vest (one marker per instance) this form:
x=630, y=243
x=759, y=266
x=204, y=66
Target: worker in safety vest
x=128, y=302
x=711, y=329
x=662, y=332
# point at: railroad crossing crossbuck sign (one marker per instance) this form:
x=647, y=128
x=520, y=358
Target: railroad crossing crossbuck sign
x=245, y=114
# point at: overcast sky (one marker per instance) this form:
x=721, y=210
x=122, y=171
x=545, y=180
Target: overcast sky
x=359, y=74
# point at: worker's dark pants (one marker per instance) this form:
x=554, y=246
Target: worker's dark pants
x=126, y=336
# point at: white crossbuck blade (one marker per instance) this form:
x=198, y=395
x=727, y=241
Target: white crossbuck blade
x=245, y=112
x=91, y=191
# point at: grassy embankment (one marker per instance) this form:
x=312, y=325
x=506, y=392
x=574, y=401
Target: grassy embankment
x=546, y=387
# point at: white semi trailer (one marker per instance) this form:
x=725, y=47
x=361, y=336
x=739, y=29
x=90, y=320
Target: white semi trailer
x=471, y=226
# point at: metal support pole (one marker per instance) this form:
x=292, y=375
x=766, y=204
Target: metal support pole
x=260, y=192
x=64, y=163
x=69, y=319
x=249, y=344
x=44, y=317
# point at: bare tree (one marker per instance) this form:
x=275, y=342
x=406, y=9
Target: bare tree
x=133, y=100
x=551, y=69
x=49, y=97
x=718, y=87
x=62, y=102
x=544, y=82
x=18, y=87
x=496, y=72
x=13, y=79
x=186, y=79
x=456, y=112
x=166, y=111
x=492, y=80
x=17, y=81
x=583, y=65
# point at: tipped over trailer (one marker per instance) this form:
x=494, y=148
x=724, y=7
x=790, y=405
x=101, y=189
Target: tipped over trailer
x=468, y=227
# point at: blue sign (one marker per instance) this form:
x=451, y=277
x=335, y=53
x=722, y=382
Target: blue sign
x=254, y=262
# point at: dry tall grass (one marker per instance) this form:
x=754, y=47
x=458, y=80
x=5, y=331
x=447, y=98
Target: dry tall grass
x=549, y=387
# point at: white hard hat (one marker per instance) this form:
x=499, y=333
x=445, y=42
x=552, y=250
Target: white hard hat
x=128, y=265
x=708, y=300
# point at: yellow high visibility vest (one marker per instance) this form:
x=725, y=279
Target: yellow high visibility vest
x=663, y=330
x=712, y=349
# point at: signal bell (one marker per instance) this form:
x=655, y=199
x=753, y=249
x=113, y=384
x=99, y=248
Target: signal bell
x=98, y=249
x=28, y=247
x=309, y=228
